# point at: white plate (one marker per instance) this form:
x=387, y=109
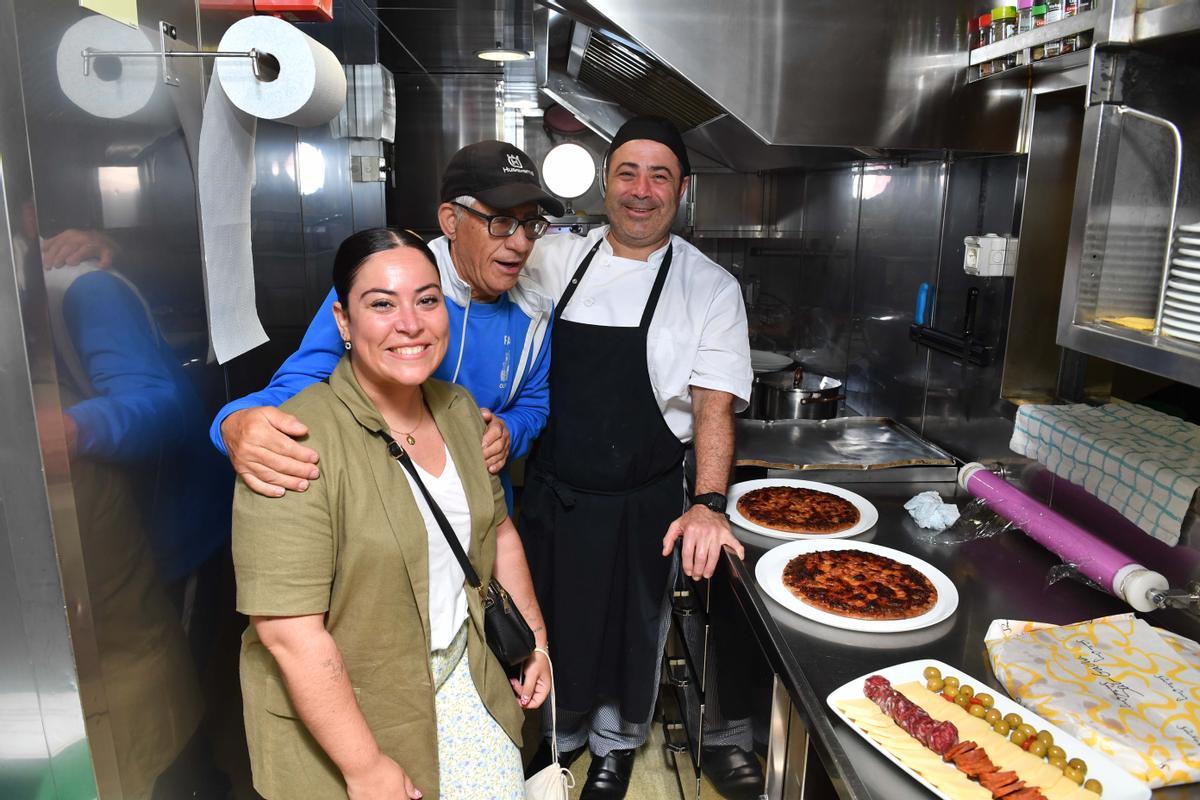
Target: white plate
x=1188, y=241
x=1184, y=307
x=1184, y=287
x=1179, y=333
x=1192, y=228
x=1185, y=274
x=766, y=361
x=1173, y=320
x=1188, y=263
x=769, y=573
x=1186, y=251
x=868, y=515
x=1118, y=784
x=1182, y=294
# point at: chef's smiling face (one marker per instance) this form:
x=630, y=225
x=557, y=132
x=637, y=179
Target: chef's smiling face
x=642, y=193
x=489, y=264
x=395, y=319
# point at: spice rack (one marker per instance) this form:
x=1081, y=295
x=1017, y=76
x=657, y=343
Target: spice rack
x=1024, y=43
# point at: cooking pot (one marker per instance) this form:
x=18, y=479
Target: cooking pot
x=789, y=394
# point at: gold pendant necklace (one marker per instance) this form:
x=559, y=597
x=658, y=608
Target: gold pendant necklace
x=408, y=437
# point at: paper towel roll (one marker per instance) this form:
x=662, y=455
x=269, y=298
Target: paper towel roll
x=311, y=86
x=309, y=90
x=114, y=88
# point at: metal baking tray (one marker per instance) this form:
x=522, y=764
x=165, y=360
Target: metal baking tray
x=843, y=443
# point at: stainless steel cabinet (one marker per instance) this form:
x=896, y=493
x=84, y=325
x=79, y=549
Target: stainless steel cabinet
x=1138, y=181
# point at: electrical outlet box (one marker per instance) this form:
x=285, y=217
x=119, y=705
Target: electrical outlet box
x=990, y=256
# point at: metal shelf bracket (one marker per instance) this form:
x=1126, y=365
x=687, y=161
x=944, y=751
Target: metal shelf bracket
x=259, y=61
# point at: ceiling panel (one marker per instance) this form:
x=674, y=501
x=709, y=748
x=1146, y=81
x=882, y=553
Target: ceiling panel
x=442, y=35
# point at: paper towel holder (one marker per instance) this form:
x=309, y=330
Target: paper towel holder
x=264, y=65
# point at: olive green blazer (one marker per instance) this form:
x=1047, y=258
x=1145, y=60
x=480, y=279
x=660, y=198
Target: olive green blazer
x=354, y=547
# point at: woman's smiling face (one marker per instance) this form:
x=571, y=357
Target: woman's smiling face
x=395, y=318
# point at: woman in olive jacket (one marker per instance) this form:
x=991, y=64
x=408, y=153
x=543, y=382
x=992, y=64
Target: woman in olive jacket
x=364, y=670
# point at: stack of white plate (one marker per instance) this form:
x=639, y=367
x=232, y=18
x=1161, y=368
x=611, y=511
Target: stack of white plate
x=1181, y=306
x=766, y=361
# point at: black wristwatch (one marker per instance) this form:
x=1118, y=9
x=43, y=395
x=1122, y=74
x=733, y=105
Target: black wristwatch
x=714, y=501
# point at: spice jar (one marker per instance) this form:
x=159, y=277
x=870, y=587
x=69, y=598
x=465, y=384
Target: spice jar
x=1004, y=26
x=1038, y=17
x=1054, y=13
x=1024, y=16
x=1083, y=39
x=985, y=38
x=1070, y=9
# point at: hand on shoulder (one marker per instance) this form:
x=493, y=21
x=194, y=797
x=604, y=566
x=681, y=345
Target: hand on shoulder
x=264, y=452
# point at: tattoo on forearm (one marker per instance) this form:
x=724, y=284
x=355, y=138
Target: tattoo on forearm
x=335, y=667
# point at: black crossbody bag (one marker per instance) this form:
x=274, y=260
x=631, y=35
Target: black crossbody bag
x=507, y=632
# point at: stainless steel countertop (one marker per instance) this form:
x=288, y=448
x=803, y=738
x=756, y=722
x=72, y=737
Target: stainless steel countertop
x=1002, y=577
x=843, y=443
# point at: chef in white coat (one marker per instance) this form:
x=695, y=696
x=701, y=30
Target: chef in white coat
x=650, y=356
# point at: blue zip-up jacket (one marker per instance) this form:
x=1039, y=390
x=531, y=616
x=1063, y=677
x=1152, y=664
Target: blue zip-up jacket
x=139, y=410
x=499, y=351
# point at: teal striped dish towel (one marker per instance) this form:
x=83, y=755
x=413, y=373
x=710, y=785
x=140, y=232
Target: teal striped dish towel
x=1143, y=463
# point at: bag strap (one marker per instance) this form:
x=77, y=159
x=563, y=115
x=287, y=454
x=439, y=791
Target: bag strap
x=397, y=452
x=554, y=715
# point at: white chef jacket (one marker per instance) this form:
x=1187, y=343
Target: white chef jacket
x=698, y=336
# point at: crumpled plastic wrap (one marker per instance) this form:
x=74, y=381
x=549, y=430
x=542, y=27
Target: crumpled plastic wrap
x=928, y=510
x=1070, y=572
x=1118, y=684
x=975, y=521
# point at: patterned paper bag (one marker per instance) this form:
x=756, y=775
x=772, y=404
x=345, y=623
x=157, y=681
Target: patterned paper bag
x=1123, y=687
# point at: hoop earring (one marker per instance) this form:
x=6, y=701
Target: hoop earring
x=346, y=344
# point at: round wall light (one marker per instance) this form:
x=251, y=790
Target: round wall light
x=503, y=54
x=568, y=170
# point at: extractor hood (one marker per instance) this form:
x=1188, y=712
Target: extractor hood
x=765, y=85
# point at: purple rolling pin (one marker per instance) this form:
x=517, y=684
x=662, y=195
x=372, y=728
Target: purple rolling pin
x=1116, y=572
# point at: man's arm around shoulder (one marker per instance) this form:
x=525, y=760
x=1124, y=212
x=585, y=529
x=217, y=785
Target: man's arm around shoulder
x=259, y=438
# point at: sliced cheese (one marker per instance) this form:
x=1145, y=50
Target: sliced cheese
x=880, y=728
x=1036, y=772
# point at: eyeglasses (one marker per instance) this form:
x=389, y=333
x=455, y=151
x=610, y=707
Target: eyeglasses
x=503, y=225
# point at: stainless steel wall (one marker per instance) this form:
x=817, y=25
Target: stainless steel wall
x=841, y=294
x=900, y=219
x=439, y=114
x=118, y=390
x=113, y=504
x=964, y=411
x=43, y=742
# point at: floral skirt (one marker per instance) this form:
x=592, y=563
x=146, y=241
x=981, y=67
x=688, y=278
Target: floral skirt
x=476, y=759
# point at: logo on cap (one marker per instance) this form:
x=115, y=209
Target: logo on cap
x=515, y=164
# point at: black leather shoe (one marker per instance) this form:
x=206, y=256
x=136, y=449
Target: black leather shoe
x=734, y=772
x=608, y=776
x=541, y=759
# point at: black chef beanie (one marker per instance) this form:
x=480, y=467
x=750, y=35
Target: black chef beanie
x=656, y=129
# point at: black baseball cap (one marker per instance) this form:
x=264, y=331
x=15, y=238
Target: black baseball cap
x=498, y=174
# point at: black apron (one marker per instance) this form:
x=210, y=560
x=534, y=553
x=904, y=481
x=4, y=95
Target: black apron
x=606, y=481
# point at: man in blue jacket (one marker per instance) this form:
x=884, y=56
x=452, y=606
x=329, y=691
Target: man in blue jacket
x=499, y=332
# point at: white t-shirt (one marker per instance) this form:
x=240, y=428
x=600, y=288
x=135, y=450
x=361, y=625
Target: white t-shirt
x=447, y=586
x=698, y=336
